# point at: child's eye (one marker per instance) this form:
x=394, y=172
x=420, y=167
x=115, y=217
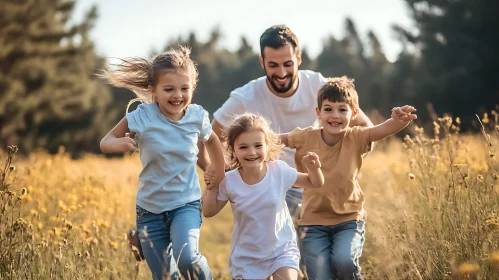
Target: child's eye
x=242, y=147
x=168, y=89
x=258, y=145
x=185, y=89
x=327, y=109
x=343, y=110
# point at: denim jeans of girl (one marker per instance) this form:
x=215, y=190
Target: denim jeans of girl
x=170, y=242
x=333, y=252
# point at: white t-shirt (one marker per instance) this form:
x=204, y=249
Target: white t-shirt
x=285, y=113
x=264, y=237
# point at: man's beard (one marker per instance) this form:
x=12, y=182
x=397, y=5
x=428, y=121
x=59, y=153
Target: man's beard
x=282, y=89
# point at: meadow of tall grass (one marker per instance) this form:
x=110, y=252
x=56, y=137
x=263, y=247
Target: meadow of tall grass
x=432, y=203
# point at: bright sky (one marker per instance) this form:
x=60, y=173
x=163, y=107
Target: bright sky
x=135, y=28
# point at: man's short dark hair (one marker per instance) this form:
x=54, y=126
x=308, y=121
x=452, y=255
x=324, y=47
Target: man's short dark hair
x=278, y=36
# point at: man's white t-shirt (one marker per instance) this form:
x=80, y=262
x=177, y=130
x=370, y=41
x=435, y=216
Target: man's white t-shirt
x=285, y=113
x=264, y=237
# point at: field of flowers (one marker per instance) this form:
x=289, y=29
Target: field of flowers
x=432, y=202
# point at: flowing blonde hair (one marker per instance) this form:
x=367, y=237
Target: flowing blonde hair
x=137, y=74
x=244, y=123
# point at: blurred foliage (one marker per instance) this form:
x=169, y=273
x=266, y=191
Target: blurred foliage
x=458, y=59
x=49, y=97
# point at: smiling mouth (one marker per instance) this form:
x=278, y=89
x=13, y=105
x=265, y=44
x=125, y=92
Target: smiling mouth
x=335, y=124
x=281, y=80
x=251, y=159
x=176, y=103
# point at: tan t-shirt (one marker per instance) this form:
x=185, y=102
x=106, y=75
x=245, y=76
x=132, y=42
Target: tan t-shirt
x=340, y=199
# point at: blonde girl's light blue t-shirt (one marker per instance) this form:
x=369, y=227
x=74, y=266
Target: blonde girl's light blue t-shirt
x=168, y=152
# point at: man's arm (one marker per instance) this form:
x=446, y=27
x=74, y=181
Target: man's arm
x=361, y=120
x=284, y=139
x=217, y=128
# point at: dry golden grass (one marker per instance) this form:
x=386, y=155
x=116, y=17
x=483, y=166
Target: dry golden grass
x=75, y=215
x=432, y=206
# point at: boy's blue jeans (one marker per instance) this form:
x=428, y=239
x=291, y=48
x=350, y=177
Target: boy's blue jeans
x=333, y=252
x=180, y=228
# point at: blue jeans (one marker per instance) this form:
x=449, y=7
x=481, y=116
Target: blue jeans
x=333, y=252
x=170, y=240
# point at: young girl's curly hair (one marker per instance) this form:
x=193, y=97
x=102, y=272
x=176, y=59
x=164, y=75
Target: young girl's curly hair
x=244, y=123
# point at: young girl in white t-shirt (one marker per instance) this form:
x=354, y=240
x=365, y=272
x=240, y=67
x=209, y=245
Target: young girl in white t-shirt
x=264, y=241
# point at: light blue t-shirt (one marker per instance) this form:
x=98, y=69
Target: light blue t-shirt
x=168, y=152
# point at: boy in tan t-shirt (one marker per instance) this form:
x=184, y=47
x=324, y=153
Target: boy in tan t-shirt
x=333, y=216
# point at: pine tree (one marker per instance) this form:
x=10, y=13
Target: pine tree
x=47, y=86
x=459, y=59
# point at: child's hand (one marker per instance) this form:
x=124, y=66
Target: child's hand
x=211, y=179
x=311, y=161
x=209, y=176
x=404, y=113
x=126, y=144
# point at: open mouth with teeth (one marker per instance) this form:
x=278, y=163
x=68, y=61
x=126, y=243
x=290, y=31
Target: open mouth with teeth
x=282, y=80
x=176, y=102
x=251, y=159
x=335, y=124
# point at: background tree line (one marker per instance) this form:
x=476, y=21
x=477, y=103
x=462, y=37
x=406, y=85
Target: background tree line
x=50, y=97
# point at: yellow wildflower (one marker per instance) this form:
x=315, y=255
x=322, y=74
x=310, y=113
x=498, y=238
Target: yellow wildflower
x=57, y=231
x=468, y=268
x=494, y=260
x=61, y=205
x=113, y=244
x=103, y=224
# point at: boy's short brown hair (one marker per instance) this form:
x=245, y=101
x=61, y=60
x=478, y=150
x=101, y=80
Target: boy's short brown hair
x=339, y=89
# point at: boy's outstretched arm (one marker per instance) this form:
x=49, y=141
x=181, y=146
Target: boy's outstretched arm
x=314, y=178
x=214, y=148
x=401, y=117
